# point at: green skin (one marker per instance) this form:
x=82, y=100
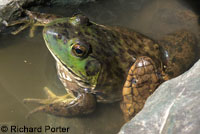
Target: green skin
x=97, y=73
x=110, y=53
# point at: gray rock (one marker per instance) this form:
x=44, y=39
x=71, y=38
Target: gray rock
x=9, y=10
x=4, y=2
x=70, y=2
x=172, y=109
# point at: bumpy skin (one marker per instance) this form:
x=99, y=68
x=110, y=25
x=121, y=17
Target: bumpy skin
x=110, y=53
x=143, y=78
x=179, y=55
x=180, y=52
x=95, y=62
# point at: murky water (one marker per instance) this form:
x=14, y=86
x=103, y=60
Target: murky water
x=27, y=66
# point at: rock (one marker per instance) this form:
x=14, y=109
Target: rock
x=4, y=2
x=172, y=109
x=70, y=2
x=10, y=11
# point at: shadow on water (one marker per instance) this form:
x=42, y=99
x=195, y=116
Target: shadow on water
x=27, y=66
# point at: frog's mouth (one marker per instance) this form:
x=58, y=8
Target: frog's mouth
x=70, y=80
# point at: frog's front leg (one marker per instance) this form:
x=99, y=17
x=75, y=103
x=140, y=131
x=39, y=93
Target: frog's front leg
x=67, y=105
x=24, y=21
x=142, y=80
x=32, y=20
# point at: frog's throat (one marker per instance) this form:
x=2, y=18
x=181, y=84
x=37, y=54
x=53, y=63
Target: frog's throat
x=82, y=83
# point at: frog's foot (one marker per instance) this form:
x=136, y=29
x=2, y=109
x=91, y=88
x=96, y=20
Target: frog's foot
x=26, y=23
x=67, y=105
x=32, y=20
x=143, y=78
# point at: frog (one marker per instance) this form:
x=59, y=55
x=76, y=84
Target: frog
x=106, y=64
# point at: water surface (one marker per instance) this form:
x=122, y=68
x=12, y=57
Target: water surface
x=27, y=66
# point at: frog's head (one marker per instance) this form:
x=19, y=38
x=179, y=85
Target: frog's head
x=83, y=49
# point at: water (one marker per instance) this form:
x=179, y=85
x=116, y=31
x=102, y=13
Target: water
x=27, y=66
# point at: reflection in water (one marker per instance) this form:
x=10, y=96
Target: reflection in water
x=27, y=66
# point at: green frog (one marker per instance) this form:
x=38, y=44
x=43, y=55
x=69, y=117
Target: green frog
x=105, y=64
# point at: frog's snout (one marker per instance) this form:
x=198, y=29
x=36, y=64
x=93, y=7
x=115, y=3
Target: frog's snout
x=51, y=36
x=49, y=32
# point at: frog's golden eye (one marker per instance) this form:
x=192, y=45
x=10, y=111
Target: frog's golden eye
x=79, y=50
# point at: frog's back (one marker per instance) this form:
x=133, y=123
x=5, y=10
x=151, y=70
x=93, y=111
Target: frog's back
x=177, y=51
x=180, y=52
x=126, y=45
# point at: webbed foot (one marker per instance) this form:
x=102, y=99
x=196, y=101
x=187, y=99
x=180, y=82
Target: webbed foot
x=32, y=20
x=67, y=105
x=142, y=80
x=26, y=23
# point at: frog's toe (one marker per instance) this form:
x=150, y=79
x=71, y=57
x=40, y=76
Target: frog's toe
x=49, y=93
x=37, y=101
x=143, y=78
x=32, y=100
x=32, y=31
x=38, y=109
x=49, y=104
x=25, y=23
x=66, y=105
x=21, y=28
x=53, y=105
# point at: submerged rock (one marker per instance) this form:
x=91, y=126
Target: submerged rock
x=172, y=109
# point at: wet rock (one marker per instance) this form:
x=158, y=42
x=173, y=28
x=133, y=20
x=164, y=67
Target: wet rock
x=4, y=2
x=172, y=109
x=10, y=11
x=71, y=2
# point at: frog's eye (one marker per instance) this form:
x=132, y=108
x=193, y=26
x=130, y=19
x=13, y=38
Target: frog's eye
x=79, y=50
